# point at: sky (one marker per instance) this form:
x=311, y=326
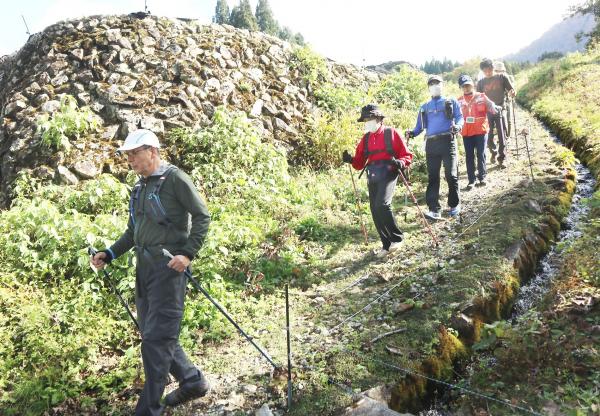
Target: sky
x=350, y=31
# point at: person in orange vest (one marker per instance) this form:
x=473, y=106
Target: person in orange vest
x=382, y=152
x=475, y=107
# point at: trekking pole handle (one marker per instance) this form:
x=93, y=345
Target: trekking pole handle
x=167, y=254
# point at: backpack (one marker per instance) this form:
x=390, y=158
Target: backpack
x=387, y=136
x=157, y=212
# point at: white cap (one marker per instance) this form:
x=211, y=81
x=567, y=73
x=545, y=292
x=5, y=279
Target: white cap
x=141, y=137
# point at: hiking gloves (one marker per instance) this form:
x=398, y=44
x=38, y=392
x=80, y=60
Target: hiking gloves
x=346, y=157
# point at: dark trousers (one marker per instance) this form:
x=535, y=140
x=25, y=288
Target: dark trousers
x=437, y=151
x=495, y=128
x=475, y=145
x=382, y=183
x=160, y=294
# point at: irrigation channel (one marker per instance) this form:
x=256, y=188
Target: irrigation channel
x=534, y=290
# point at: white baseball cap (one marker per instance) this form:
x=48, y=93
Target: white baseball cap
x=138, y=138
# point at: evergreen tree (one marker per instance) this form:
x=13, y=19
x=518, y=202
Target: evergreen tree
x=286, y=33
x=242, y=16
x=221, y=12
x=298, y=39
x=264, y=18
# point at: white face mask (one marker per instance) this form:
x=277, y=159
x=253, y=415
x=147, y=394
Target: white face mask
x=371, y=126
x=435, y=90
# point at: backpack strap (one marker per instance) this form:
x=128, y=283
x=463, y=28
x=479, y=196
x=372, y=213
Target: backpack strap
x=156, y=191
x=135, y=194
x=366, y=145
x=387, y=136
x=449, y=109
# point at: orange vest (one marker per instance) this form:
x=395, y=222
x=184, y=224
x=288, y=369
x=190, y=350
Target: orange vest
x=474, y=111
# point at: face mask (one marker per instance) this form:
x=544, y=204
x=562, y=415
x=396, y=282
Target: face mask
x=371, y=126
x=435, y=90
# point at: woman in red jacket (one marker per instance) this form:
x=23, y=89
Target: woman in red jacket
x=475, y=106
x=383, y=152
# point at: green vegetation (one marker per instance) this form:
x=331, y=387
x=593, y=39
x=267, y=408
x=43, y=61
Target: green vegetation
x=550, y=359
x=68, y=123
x=592, y=7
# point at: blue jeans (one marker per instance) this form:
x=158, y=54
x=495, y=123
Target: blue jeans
x=475, y=144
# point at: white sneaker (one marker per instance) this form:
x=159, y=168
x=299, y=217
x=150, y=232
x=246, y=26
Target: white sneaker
x=395, y=246
x=382, y=253
x=433, y=215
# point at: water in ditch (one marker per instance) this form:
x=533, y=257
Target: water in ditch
x=548, y=267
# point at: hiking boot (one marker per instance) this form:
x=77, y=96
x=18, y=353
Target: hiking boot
x=493, y=158
x=469, y=186
x=395, y=246
x=188, y=390
x=501, y=164
x=482, y=182
x=433, y=215
x=382, y=253
x=454, y=211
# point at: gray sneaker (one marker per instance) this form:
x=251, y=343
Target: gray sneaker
x=188, y=390
x=455, y=211
x=433, y=215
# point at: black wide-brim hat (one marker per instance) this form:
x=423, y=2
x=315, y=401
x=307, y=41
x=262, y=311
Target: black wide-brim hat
x=370, y=111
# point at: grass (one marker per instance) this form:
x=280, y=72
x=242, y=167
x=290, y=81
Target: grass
x=550, y=359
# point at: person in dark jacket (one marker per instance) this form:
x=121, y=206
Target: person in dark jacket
x=383, y=153
x=166, y=211
x=496, y=87
x=441, y=119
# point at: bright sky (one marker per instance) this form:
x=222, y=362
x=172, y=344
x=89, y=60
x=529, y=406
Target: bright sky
x=352, y=31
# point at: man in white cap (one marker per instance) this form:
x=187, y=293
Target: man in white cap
x=165, y=211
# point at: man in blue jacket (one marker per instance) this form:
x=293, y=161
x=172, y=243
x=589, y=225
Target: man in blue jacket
x=442, y=119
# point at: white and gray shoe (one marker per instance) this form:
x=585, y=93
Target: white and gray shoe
x=433, y=215
x=382, y=253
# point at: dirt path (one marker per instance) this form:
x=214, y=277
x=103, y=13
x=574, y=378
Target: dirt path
x=416, y=290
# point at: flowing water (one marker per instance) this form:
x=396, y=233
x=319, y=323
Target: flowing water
x=548, y=267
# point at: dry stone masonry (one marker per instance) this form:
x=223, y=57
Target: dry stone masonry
x=146, y=72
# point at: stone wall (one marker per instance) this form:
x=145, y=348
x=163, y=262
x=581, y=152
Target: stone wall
x=146, y=72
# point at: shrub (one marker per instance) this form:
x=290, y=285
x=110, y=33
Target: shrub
x=403, y=89
x=69, y=122
x=326, y=138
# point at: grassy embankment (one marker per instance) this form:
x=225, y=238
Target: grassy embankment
x=551, y=357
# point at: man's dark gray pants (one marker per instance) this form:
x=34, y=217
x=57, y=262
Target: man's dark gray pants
x=440, y=150
x=495, y=128
x=160, y=295
x=381, y=191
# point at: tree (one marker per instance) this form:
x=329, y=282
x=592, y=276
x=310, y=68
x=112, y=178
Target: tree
x=550, y=55
x=221, y=13
x=589, y=7
x=242, y=16
x=298, y=39
x=264, y=18
x=286, y=33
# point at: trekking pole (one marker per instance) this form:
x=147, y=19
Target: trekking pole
x=362, y=222
x=92, y=252
x=514, y=117
x=527, y=136
x=289, y=347
x=427, y=226
x=197, y=285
